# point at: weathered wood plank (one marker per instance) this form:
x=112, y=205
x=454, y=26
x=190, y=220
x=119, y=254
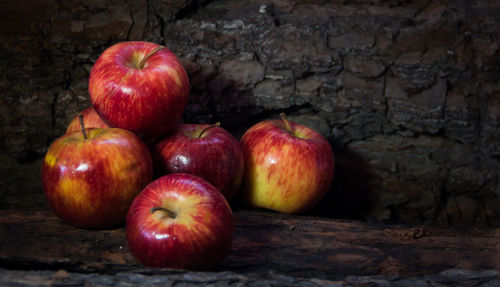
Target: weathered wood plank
x=297, y=246
x=454, y=277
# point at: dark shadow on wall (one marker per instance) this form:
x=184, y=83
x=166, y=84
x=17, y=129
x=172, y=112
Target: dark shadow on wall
x=216, y=98
x=351, y=195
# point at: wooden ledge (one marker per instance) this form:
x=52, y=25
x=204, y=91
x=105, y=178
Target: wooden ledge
x=265, y=243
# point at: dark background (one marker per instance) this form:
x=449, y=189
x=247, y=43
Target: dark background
x=408, y=92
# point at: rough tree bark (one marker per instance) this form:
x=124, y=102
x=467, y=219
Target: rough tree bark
x=406, y=91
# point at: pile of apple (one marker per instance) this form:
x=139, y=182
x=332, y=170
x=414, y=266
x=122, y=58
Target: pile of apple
x=100, y=173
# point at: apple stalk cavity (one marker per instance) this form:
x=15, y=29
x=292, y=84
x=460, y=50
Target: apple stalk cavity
x=169, y=213
x=145, y=58
x=217, y=124
x=287, y=124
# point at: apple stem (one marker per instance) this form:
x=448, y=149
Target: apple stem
x=168, y=212
x=287, y=123
x=82, y=126
x=217, y=124
x=154, y=51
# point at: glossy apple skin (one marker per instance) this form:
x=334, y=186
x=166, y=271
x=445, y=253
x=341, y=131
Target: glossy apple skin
x=90, y=120
x=215, y=157
x=198, y=238
x=288, y=172
x=148, y=101
x=90, y=183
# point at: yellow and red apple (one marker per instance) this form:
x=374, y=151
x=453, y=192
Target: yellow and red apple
x=288, y=166
x=180, y=221
x=91, y=176
x=139, y=86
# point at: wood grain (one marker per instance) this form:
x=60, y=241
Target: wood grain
x=265, y=242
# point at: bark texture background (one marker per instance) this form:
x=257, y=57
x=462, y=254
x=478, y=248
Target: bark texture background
x=408, y=92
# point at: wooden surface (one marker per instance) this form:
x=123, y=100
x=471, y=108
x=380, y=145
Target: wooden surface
x=265, y=243
x=167, y=278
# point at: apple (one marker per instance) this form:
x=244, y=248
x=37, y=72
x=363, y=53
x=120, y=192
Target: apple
x=90, y=119
x=207, y=151
x=91, y=176
x=288, y=166
x=180, y=221
x=139, y=86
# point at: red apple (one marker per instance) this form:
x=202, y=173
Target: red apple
x=139, y=86
x=90, y=178
x=207, y=151
x=180, y=221
x=288, y=166
x=90, y=119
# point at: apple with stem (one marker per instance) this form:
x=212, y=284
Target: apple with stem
x=207, y=151
x=288, y=166
x=91, y=176
x=139, y=86
x=180, y=221
x=90, y=120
